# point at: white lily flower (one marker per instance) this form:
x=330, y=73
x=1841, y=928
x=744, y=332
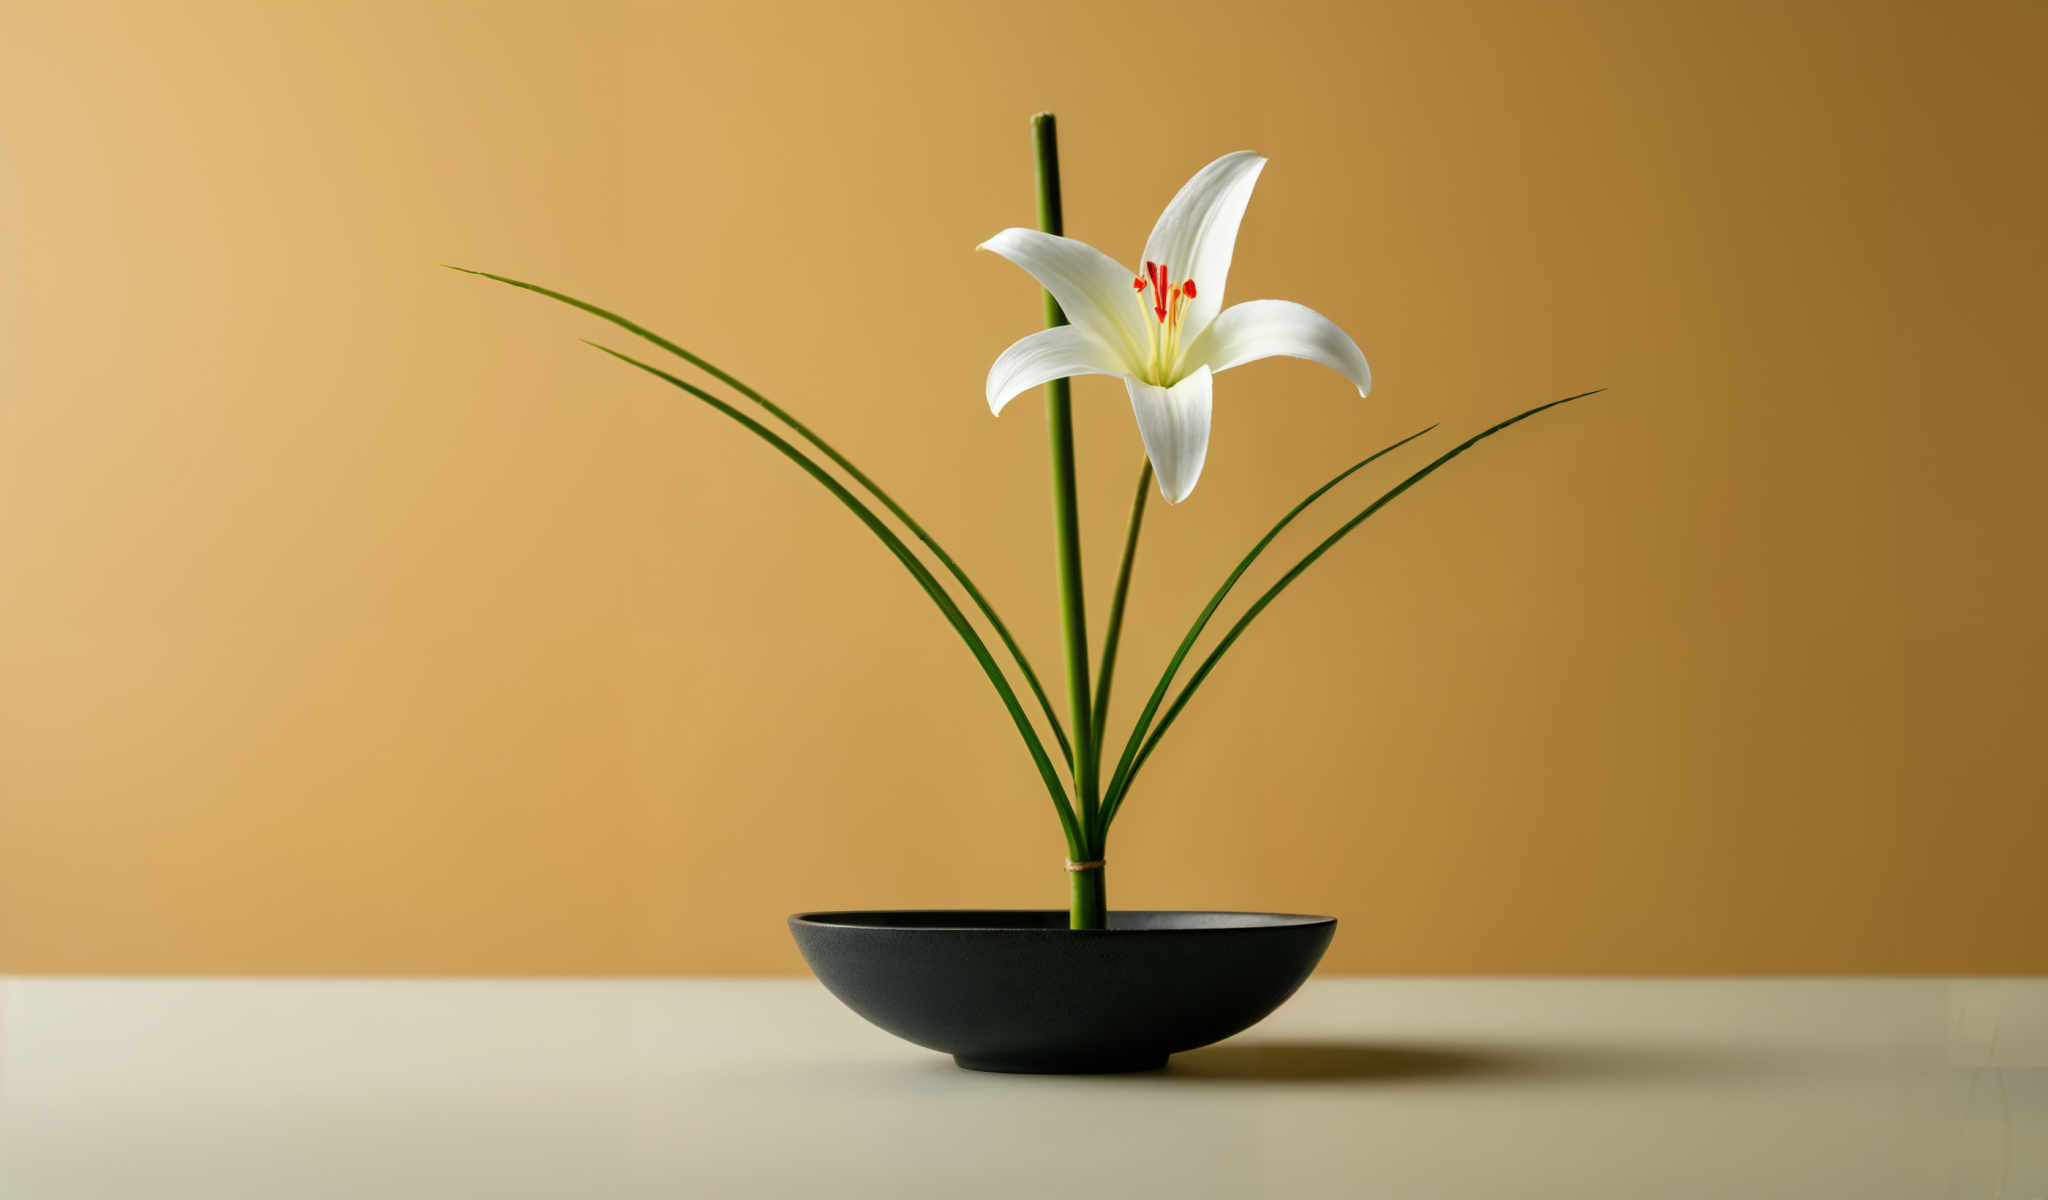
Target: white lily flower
x=1164, y=331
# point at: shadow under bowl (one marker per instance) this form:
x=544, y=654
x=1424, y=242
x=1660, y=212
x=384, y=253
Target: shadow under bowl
x=1016, y=990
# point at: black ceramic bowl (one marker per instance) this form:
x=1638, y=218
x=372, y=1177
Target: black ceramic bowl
x=1016, y=990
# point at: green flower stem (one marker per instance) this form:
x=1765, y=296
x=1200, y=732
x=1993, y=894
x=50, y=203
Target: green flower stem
x=1119, y=780
x=1087, y=910
x=1113, y=633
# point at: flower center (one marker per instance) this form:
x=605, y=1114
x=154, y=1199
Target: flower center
x=1168, y=301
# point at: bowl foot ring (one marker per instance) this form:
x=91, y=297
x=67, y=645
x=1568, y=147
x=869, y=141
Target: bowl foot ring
x=1045, y=1065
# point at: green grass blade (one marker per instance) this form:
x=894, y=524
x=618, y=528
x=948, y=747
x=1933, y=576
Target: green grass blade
x=1113, y=632
x=804, y=431
x=1258, y=606
x=917, y=569
x=1118, y=784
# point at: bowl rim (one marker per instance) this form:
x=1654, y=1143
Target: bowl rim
x=845, y=919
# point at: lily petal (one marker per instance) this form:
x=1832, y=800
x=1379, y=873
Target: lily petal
x=1092, y=289
x=1175, y=425
x=1045, y=356
x=1198, y=231
x=1265, y=328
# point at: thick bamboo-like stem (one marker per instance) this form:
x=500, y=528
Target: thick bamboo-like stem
x=1088, y=909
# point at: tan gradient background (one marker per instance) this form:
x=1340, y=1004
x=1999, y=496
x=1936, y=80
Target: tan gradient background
x=354, y=617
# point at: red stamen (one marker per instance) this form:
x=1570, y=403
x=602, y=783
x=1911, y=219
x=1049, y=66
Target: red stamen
x=1187, y=286
x=1138, y=284
x=1160, y=291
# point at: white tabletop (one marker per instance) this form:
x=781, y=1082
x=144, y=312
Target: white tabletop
x=294, y=1089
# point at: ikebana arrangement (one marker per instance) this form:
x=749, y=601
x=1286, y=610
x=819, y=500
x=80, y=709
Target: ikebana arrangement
x=1013, y=990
